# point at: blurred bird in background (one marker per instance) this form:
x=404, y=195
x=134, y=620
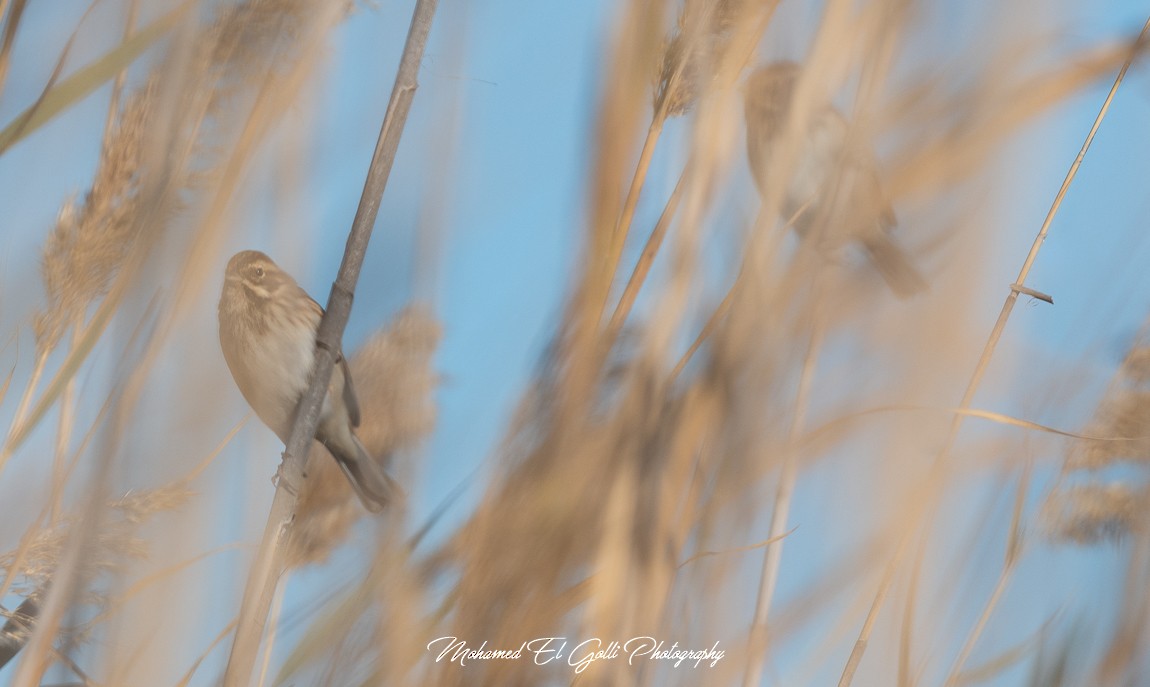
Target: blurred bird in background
x=831, y=179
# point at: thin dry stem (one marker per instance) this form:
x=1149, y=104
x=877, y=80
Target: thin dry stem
x=906, y=632
x=1013, y=552
x=22, y=409
x=15, y=13
x=219, y=638
x=988, y=352
x=646, y=259
x=741, y=549
x=781, y=512
x=273, y=626
x=623, y=227
x=63, y=436
x=114, y=102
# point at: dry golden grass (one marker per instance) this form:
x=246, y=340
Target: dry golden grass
x=648, y=483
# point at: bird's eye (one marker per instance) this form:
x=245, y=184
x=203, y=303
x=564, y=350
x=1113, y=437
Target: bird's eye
x=259, y=272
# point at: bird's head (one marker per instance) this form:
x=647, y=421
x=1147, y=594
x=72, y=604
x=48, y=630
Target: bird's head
x=255, y=276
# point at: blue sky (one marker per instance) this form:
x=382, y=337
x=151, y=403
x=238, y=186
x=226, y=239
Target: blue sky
x=495, y=159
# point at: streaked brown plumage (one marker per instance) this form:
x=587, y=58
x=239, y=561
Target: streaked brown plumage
x=267, y=334
x=825, y=166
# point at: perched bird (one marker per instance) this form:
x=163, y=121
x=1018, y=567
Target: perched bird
x=267, y=333
x=828, y=170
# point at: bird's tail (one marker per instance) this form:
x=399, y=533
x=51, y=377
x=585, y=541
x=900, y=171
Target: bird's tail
x=375, y=488
x=895, y=266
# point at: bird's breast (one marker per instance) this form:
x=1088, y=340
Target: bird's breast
x=270, y=370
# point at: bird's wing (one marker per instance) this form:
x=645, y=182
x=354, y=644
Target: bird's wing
x=314, y=308
x=349, y=399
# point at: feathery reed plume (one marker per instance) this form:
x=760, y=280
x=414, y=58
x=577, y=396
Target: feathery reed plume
x=91, y=239
x=1122, y=417
x=395, y=384
x=1089, y=513
x=1092, y=511
x=690, y=60
x=30, y=570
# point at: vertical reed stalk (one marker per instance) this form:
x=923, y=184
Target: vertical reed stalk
x=268, y=565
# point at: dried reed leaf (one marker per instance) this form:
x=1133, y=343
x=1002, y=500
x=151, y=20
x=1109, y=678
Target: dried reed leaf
x=73, y=89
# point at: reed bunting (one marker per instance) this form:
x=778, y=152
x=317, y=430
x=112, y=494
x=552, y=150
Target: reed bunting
x=267, y=333
x=827, y=167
